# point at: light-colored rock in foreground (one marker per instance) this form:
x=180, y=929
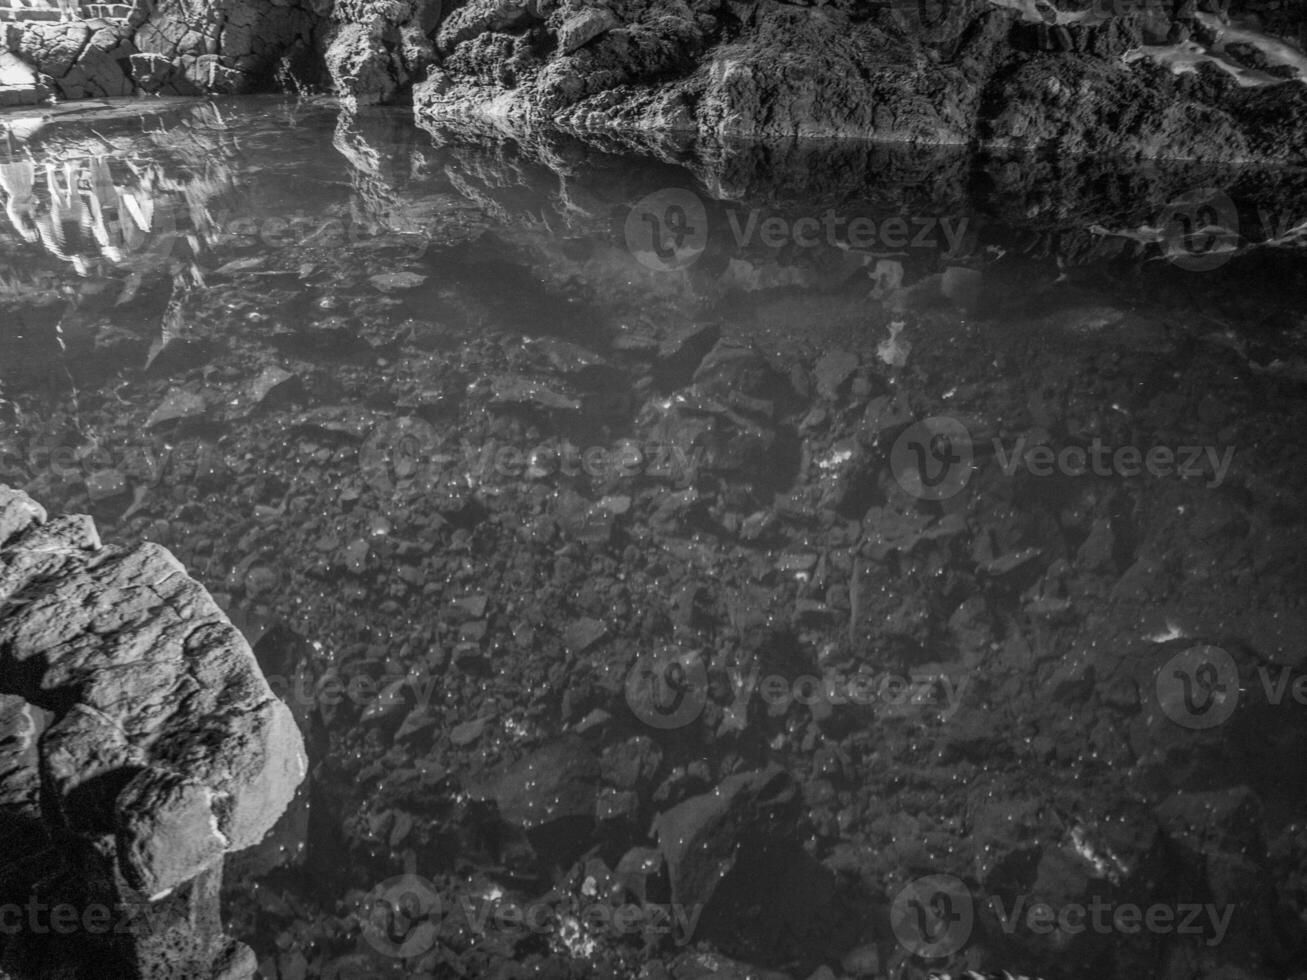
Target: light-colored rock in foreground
x=164, y=747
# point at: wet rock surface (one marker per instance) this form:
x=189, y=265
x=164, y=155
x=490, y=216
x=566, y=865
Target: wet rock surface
x=622, y=640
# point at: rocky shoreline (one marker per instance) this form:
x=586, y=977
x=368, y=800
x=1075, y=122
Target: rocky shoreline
x=141, y=745
x=1212, y=80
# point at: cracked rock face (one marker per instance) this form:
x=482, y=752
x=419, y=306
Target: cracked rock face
x=376, y=47
x=983, y=72
x=1127, y=79
x=165, y=747
x=174, y=48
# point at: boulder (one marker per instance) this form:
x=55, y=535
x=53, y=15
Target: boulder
x=165, y=748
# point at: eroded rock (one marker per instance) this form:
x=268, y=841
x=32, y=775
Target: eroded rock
x=166, y=748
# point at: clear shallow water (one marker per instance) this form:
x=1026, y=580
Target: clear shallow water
x=965, y=493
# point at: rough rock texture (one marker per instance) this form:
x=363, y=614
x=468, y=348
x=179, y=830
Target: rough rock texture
x=159, y=749
x=229, y=45
x=376, y=48
x=82, y=60
x=366, y=50
x=1151, y=78
x=18, y=82
x=175, y=47
x=972, y=71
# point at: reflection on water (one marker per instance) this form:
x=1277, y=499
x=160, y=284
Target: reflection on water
x=885, y=523
x=138, y=204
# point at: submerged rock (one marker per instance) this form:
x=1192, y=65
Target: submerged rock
x=556, y=782
x=178, y=406
x=700, y=838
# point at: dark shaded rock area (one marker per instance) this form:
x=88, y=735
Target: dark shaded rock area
x=141, y=745
x=1075, y=78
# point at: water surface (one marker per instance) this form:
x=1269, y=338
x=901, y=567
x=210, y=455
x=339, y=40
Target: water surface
x=966, y=493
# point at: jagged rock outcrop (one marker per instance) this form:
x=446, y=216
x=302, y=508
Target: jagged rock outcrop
x=19, y=84
x=367, y=51
x=1195, y=79
x=376, y=48
x=1185, y=79
x=225, y=45
x=81, y=59
x=141, y=745
x=175, y=47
